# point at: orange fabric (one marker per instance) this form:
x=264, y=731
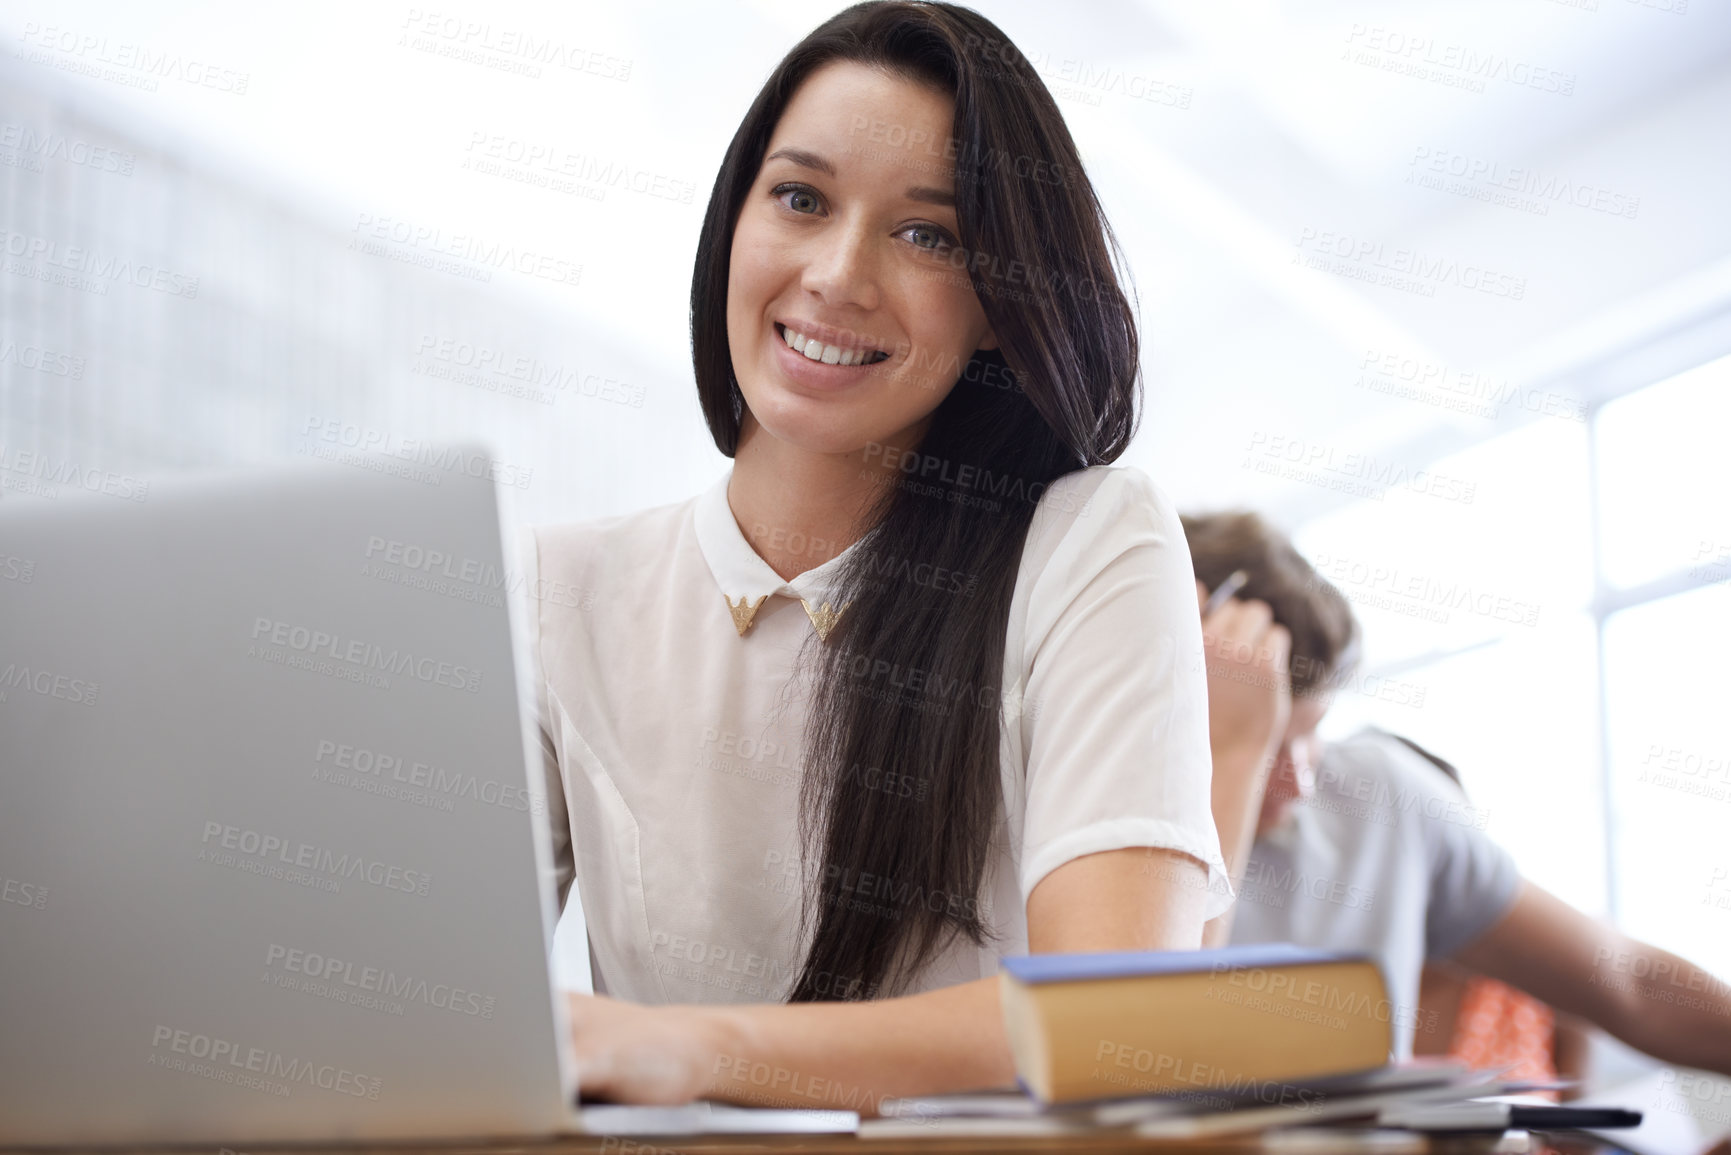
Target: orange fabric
x=1498, y=1026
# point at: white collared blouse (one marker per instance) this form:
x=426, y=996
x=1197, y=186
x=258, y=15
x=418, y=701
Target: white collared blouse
x=672, y=743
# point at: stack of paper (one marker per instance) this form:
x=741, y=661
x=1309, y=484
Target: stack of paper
x=706, y=1118
x=1364, y=1097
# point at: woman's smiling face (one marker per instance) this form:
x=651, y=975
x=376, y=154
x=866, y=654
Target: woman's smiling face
x=847, y=241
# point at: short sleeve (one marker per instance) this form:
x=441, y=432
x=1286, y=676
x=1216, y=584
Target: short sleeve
x=1116, y=713
x=534, y=693
x=1472, y=879
x=1473, y=883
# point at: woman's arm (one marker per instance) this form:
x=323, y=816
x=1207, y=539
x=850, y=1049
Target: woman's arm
x=1656, y=1002
x=853, y=1055
x=1114, y=766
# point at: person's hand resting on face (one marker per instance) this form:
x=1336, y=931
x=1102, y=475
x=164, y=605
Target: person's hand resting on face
x=1249, y=708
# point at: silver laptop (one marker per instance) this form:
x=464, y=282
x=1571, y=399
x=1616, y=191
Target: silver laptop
x=273, y=861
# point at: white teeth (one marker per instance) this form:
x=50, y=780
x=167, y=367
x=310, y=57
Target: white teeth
x=828, y=354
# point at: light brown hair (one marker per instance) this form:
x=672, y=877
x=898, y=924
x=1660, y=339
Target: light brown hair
x=1325, y=635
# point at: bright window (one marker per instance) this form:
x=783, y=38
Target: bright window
x=1455, y=661
x=1479, y=644
x=1663, y=488
x=1670, y=757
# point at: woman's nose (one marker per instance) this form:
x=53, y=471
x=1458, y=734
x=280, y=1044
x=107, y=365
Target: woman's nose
x=840, y=267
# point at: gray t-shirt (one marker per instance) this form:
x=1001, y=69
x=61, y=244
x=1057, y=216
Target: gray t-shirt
x=1389, y=859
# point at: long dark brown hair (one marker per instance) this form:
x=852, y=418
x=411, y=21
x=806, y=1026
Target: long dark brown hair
x=901, y=793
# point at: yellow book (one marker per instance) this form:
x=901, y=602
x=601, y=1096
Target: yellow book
x=1110, y=1025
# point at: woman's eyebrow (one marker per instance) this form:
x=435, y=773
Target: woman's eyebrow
x=799, y=156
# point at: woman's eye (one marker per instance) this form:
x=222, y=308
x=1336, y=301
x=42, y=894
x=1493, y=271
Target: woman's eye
x=798, y=194
x=929, y=238
x=805, y=201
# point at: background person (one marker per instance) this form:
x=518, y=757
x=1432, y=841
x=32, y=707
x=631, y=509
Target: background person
x=1488, y=1024
x=1362, y=845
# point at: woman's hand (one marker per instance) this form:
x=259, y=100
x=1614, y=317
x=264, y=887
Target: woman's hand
x=635, y=1054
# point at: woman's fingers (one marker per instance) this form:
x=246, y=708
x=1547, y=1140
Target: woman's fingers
x=585, y=1009
x=636, y=1054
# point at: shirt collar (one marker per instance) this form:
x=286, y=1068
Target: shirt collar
x=737, y=568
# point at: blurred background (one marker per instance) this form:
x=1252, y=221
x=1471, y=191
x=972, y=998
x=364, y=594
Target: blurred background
x=1442, y=288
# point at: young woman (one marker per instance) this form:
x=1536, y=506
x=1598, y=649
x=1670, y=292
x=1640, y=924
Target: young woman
x=1367, y=845
x=919, y=683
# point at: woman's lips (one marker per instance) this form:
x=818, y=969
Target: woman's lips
x=816, y=374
